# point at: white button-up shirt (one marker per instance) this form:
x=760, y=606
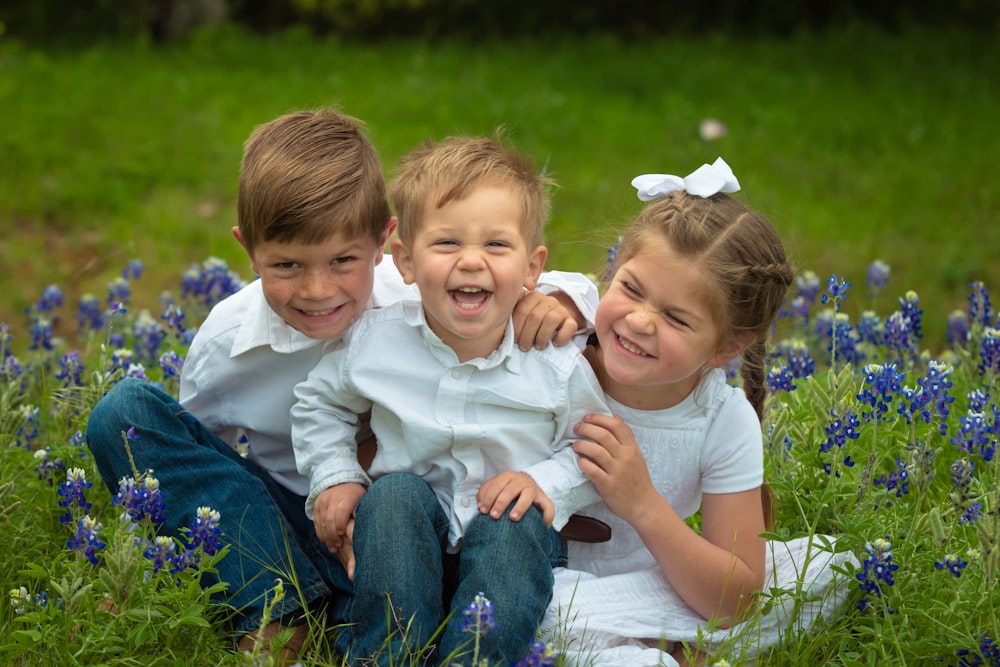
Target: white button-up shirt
x=454, y=424
x=242, y=367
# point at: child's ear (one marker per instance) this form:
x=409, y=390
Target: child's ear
x=731, y=349
x=390, y=227
x=403, y=260
x=536, y=262
x=239, y=237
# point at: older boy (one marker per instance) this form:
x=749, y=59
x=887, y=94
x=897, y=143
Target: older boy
x=473, y=464
x=313, y=219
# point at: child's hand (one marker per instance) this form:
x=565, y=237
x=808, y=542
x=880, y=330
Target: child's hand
x=541, y=319
x=333, y=510
x=613, y=461
x=496, y=494
x=346, y=551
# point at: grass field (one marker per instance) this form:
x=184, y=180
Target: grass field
x=858, y=145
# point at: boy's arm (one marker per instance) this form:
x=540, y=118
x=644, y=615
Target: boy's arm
x=574, y=289
x=561, y=305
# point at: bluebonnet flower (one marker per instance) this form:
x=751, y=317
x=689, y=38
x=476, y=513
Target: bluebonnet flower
x=137, y=371
x=931, y=398
x=89, y=314
x=836, y=291
x=140, y=499
x=972, y=514
x=173, y=315
x=119, y=293
x=977, y=436
x=842, y=340
x=539, y=655
x=878, y=277
x=838, y=433
x=882, y=383
x=41, y=332
x=958, y=328
x=987, y=653
x=869, y=328
x=978, y=400
x=780, y=378
x=46, y=466
x=909, y=305
x=478, y=618
x=897, y=480
x=877, y=571
x=612, y=258
x=807, y=286
x=87, y=540
x=149, y=336
x=952, y=563
x=798, y=307
x=51, y=299
x=980, y=308
x=210, y=283
x=206, y=534
x=162, y=551
x=73, y=492
x=797, y=357
x=117, y=308
x=989, y=352
x=121, y=359
x=133, y=270
x=27, y=432
x=171, y=363
x=23, y=602
x=71, y=370
x=11, y=369
x=899, y=337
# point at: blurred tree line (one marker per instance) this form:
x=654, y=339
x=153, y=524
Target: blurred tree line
x=49, y=20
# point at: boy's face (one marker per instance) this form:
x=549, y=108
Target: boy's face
x=471, y=262
x=318, y=288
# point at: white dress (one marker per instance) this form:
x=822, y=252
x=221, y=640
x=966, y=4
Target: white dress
x=615, y=607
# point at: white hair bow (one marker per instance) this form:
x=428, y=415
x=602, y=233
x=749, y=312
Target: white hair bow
x=704, y=181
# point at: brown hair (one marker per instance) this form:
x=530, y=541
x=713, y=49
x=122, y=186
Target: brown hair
x=456, y=166
x=308, y=175
x=744, y=259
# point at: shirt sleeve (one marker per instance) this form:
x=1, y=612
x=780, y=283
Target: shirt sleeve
x=560, y=476
x=325, y=420
x=735, y=448
x=577, y=287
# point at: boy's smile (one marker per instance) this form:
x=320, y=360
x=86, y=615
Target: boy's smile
x=318, y=288
x=470, y=261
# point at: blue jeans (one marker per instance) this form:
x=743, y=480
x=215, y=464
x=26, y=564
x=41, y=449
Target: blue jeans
x=264, y=524
x=400, y=542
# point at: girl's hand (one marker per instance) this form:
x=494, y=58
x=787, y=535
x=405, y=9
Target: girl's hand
x=333, y=510
x=496, y=494
x=540, y=320
x=613, y=461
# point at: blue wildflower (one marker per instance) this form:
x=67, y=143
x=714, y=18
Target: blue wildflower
x=972, y=514
x=807, y=286
x=877, y=571
x=41, y=332
x=882, y=382
x=87, y=540
x=162, y=551
x=989, y=352
x=980, y=308
x=780, y=378
x=978, y=400
x=838, y=433
x=73, y=492
x=954, y=564
x=133, y=270
x=46, y=466
x=171, y=363
x=90, y=316
x=977, y=436
x=909, y=305
x=878, y=277
x=836, y=290
x=539, y=655
x=140, y=499
x=27, y=432
x=149, y=336
x=71, y=370
x=988, y=652
x=119, y=293
x=205, y=532
x=896, y=481
x=958, y=328
x=210, y=283
x=478, y=618
x=869, y=328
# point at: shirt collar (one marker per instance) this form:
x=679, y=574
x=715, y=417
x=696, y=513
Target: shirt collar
x=413, y=314
x=260, y=326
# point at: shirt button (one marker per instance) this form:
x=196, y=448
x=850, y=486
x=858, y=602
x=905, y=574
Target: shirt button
x=456, y=374
x=466, y=501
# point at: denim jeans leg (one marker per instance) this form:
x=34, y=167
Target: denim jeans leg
x=511, y=563
x=263, y=523
x=400, y=534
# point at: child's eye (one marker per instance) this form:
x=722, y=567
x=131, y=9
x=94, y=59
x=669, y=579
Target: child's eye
x=630, y=288
x=497, y=244
x=344, y=260
x=675, y=320
x=286, y=265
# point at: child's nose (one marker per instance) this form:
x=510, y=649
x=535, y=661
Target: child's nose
x=470, y=259
x=641, y=321
x=316, y=285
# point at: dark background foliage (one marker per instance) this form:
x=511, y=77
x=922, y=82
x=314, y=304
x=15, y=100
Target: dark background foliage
x=74, y=20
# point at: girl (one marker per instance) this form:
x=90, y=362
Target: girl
x=697, y=281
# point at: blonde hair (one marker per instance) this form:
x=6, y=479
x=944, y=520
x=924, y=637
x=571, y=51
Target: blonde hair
x=307, y=176
x=453, y=168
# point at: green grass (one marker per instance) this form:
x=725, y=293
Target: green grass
x=858, y=145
